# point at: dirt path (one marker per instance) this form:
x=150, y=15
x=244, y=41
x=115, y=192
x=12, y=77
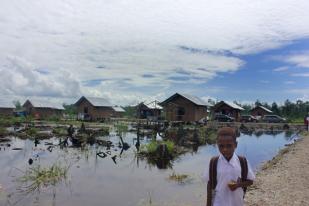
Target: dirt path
x=283, y=180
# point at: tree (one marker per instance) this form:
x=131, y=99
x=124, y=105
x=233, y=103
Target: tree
x=17, y=105
x=70, y=109
x=257, y=103
x=275, y=108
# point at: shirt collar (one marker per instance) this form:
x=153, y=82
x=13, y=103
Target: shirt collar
x=233, y=161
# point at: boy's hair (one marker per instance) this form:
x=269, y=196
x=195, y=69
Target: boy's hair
x=227, y=131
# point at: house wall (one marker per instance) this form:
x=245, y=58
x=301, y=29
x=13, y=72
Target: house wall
x=95, y=113
x=44, y=113
x=6, y=111
x=101, y=112
x=191, y=113
x=259, y=112
x=143, y=112
x=41, y=112
x=118, y=114
x=225, y=109
x=200, y=112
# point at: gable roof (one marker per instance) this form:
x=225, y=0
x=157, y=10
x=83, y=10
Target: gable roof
x=153, y=105
x=264, y=108
x=43, y=104
x=230, y=104
x=96, y=101
x=118, y=109
x=195, y=100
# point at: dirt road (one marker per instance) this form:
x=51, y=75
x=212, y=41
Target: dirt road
x=283, y=180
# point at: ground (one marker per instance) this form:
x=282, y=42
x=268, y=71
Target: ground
x=283, y=180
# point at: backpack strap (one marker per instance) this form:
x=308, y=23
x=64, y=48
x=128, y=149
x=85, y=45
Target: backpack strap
x=244, y=170
x=212, y=182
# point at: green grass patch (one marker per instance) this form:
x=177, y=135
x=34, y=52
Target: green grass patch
x=38, y=177
x=32, y=132
x=3, y=131
x=121, y=128
x=207, y=135
x=151, y=147
x=179, y=178
x=59, y=131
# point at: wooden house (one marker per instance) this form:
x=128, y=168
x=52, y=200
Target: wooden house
x=151, y=110
x=184, y=107
x=118, y=111
x=6, y=109
x=228, y=108
x=260, y=111
x=92, y=108
x=42, y=109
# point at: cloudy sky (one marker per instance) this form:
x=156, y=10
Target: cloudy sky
x=132, y=50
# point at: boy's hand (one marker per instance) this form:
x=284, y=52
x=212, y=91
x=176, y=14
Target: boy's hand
x=234, y=185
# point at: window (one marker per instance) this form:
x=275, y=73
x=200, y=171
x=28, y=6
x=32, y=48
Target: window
x=181, y=111
x=85, y=110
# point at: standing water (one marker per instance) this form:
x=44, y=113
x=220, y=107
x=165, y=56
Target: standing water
x=118, y=177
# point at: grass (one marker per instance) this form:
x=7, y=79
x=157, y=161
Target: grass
x=151, y=148
x=38, y=177
x=32, y=132
x=3, y=131
x=104, y=131
x=60, y=131
x=207, y=135
x=180, y=178
x=121, y=128
x=297, y=120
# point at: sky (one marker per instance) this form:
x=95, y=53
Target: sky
x=129, y=51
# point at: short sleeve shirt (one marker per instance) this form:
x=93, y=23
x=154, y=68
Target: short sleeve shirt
x=226, y=172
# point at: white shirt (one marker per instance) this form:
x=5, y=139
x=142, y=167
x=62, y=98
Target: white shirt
x=227, y=171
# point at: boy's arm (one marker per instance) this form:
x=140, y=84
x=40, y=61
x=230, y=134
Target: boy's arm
x=209, y=194
x=245, y=183
x=240, y=183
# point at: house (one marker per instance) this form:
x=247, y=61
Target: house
x=42, y=109
x=151, y=110
x=92, y=108
x=260, y=111
x=6, y=109
x=184, y=107
x=118, y=111
x=228, y=108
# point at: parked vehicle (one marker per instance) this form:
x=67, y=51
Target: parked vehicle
x=273, y=119
x=248, y=118
x=223, y=118
x=204, y=120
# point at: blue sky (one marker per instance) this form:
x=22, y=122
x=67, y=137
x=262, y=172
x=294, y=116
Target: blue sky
x=267, y=76
x=131, y=51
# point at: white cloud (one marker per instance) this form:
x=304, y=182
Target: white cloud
x=77, y=41
x=296, y=59
x=281, y=69
x=304, y=91
x=300, y=75
x=299, y=60
x=264, y=81
x=20, y=78
x=289, y=82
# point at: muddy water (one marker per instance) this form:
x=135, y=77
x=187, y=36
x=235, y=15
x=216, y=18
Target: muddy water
x=124, y=181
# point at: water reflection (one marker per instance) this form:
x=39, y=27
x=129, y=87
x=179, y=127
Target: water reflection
x=121, y=177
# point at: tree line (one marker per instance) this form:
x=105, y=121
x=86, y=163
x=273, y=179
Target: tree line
x=291, y=110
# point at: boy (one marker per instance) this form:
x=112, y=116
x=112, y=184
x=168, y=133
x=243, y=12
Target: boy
x=228, y=175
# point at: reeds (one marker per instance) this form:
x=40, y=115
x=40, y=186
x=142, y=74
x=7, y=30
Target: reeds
x=39, y=177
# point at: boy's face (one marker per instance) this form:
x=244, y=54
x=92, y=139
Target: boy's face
x=226, y=145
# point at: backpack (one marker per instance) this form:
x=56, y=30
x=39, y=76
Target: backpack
x=212, y=183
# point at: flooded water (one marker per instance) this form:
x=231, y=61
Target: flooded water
x=123, y=180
